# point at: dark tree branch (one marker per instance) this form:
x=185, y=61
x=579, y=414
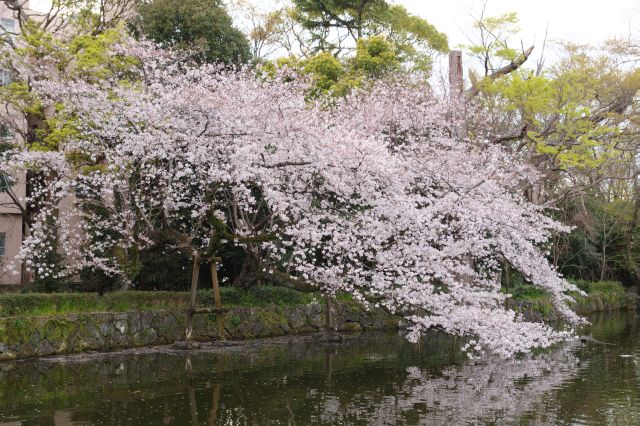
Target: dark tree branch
x=476, y=88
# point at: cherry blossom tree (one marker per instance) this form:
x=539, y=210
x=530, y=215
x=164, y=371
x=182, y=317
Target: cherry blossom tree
x=389, y=194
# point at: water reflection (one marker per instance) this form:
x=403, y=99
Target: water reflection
x=375, y=379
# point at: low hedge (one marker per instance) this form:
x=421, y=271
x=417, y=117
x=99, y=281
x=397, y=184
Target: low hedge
x=35, y=304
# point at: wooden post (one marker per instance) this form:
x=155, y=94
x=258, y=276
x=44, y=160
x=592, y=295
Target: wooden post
x=195, y=275
x=328, y=314
x=455, y=72
x=217, y=300
x=215, y=403
x=507, y=281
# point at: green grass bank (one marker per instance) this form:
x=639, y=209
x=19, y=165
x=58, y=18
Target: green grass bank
x=600, y=296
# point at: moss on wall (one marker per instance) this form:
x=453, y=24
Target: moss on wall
x=39, y=325
x=22, y=336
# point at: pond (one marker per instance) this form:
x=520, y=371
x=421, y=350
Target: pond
x=375, y=378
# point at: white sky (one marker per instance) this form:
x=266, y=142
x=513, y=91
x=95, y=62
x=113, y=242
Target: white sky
x=583, y=21
x=580, y=21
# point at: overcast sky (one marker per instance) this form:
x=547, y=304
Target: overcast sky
x=580, y=21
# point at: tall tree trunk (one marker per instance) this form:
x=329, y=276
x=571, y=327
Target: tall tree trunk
x=216, y=297
x=603, y=271
x=195, y=274
x=507, y=281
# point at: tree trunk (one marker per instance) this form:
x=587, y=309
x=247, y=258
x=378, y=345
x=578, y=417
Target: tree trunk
x=248, y=273
x=328, y=316
x=535, y=194
x=195, y=274
x=507, y=281
x=216, y=297
x=603, y=271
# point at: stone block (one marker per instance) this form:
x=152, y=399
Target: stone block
x=297, y=318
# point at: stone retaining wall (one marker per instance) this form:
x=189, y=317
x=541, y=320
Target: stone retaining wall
x=29, y=336
x=24, y=337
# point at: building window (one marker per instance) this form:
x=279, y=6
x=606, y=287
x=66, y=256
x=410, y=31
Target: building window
x=3, y=243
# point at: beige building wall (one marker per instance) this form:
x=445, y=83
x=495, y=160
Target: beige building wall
x=11, y=224
x=11, y=232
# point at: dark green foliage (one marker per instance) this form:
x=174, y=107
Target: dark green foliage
x=164, y=268
x=411, y=35
x=258, y=296
x=202, y=25
x=353, y=15
x=580, y=258
x=596, y=249
x=96, y=281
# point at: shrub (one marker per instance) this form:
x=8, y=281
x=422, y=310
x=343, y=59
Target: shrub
x=34, y=304
x=613, y=287
x=257, y=296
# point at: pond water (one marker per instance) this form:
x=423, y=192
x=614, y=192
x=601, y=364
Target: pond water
x=370, y=379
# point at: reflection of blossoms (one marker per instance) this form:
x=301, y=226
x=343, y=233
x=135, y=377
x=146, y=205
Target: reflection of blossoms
x=377, y=381
x=373, y=195
x=495, y=390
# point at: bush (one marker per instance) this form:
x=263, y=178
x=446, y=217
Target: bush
x=589, y=287
x=34, y=304
x=257, y=296
x=164, y=268
x=519, y=288
x=527, y=291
